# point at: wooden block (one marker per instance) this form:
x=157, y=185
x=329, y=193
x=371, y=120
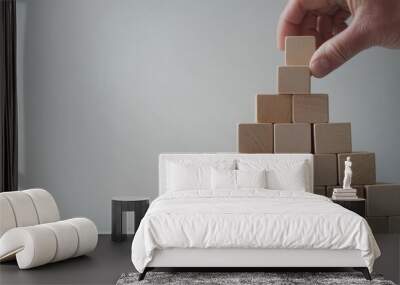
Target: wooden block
x=383, y=200
x=360, y=190
x=292, y=138
x=310, y=109
x=394, y=225
x=299, y=50
x=325, y=169
x=329, y=190
x=378, y=225
x=320, y=190
x=332, y=137
x=274, y=108
x=255, y=138
x=363, y=166
x=294, y=80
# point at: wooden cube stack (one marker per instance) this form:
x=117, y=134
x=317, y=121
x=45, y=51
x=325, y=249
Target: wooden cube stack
x=296, y=121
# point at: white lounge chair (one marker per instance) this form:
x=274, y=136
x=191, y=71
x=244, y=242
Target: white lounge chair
x=32, y=233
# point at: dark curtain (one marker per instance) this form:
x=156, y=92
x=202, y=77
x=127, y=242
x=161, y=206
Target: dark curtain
x=8, y=99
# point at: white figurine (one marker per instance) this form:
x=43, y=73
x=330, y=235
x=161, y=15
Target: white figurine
x=348, y=173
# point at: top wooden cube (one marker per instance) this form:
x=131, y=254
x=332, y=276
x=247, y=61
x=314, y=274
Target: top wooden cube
x=299, y=50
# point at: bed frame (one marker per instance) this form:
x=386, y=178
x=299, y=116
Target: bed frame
x=242, y=259
x=246, y=259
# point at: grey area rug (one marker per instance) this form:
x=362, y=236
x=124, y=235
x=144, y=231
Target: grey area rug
x=232, y=278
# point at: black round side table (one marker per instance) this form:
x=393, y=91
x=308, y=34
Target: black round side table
x=121, y=204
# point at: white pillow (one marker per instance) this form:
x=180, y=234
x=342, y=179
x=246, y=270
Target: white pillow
x=223, y=179
x=291, y=178
x=281, y=174
x=237, y=179
x=251, y=178
x=193, y=174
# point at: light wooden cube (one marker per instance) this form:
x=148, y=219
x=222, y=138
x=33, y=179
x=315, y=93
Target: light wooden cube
x=360, y=190
x=294, y=80
x=310, y=109
x=255, y=138
x=363, y=167
x=329, y=190
x=299, y=50
x=325, y=169
x=394, y=225
x=292, y=138
x=274, y=108
x=332, y=138
x=378, y=225
x=320, y=190
x=383, y=200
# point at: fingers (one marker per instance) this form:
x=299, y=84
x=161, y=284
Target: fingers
x=339, y=21
x=295, y=11
x=309, y=27
x=326, y=20
x=289, y=22
x=339, y=49
x=325, y=27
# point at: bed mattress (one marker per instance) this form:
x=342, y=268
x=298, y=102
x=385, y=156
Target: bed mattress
x=250, y=219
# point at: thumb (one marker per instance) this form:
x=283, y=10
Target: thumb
x=339, y=49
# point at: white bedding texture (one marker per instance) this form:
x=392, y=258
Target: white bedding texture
x=250, y=218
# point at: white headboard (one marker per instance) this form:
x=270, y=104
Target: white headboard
x=164, y=158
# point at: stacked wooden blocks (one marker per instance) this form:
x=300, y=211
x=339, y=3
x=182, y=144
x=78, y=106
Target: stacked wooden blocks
x=383, y=211
x=296, y=121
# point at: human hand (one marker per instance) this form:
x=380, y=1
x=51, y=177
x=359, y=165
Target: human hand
x=374, y=23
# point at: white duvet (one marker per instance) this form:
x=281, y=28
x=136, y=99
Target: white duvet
x=251, y=218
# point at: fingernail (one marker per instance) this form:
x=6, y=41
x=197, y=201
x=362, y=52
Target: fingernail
x=320, y=67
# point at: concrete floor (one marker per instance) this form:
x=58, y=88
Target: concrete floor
x=110, y=260
x=103, y=266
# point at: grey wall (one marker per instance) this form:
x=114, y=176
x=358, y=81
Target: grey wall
x=106, y=86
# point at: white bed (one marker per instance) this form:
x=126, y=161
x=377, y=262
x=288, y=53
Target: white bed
x=282, y=226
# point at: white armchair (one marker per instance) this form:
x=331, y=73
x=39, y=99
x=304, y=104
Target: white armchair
x=31, y=230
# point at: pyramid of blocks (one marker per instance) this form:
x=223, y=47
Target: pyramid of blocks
x=296, y=121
